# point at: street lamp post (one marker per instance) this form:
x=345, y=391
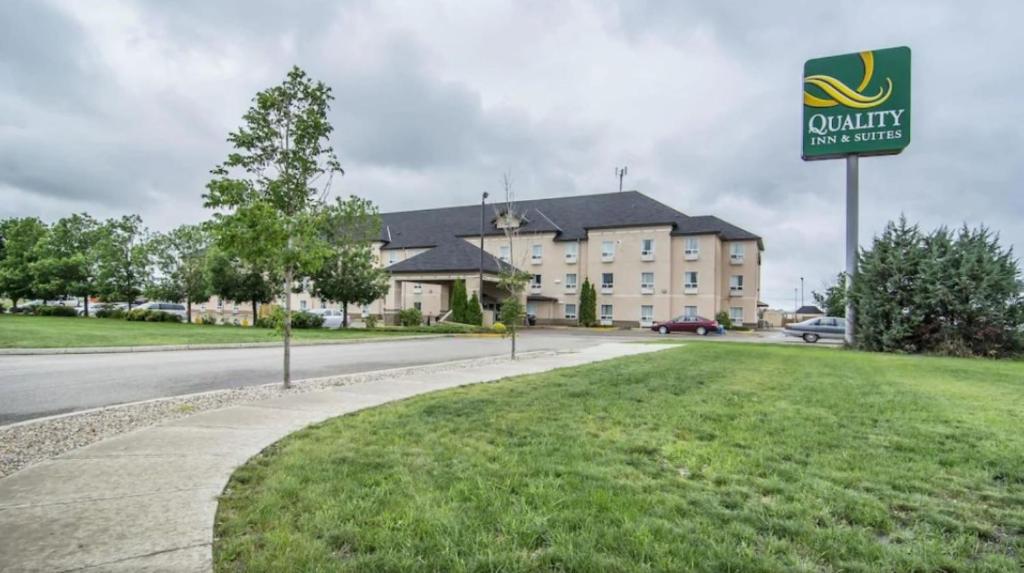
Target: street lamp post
x=483, y=199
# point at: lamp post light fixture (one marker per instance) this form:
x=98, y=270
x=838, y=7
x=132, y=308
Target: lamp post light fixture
x=483, y=200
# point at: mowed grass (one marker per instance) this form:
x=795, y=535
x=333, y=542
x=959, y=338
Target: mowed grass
x=67, y=332
x=710, y=457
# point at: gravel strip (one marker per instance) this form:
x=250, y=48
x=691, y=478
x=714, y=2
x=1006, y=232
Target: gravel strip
x=26, y=443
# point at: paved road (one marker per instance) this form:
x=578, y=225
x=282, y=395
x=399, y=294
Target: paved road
x=36, y=386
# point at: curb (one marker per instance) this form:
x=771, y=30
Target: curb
x=220, y=346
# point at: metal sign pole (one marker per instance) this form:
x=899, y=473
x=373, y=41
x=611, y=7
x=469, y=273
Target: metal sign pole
x=852, y=189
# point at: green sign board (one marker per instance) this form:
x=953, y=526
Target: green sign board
x=857, y=104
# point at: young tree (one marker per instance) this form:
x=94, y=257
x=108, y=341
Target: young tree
x=474, y=312
x=512, y=280
x=68, y=258
x=231, y=279
x=273, y=185
x=833, y=300
x=588, y=304
x=123, y=265
x=180, y=258
x=21, y=238
x=350, y=274
x=458, y=301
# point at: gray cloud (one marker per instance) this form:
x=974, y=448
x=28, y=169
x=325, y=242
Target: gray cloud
x=125, y=106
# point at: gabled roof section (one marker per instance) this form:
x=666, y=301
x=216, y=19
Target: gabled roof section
x=568, y=218
x=453, y=255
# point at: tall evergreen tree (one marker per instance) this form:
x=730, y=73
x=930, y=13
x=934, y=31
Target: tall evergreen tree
x=474, y=312
x=458, y=301
x=588, y=304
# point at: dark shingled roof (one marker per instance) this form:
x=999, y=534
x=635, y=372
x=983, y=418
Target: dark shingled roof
x=568, y=217
x=453, y=255
x=809, y=309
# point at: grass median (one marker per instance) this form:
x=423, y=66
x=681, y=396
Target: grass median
x=66, y=332
x=714, y=457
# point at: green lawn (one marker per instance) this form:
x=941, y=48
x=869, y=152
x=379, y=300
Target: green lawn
x=713, y=457
x=64, y=332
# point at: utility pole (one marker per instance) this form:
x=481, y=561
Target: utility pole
x=795, y=307
x=621, y=173
x=801, y=291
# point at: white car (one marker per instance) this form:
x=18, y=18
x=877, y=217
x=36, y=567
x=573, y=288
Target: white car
x=174, y=308
x=332, y=318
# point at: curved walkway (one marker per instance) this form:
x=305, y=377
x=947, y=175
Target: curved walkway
x=146, y=501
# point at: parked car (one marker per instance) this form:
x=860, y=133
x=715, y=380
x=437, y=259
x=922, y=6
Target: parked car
x=814, y=329
x=332, y=318
x=174, y=308
x=687, y=323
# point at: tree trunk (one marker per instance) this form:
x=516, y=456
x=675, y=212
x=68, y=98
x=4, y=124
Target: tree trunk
x=344, y=314
x=513, y=342
x=14, y=302
x=287, y=327
x=254, y=307
x=188, y=312
x=86, y=303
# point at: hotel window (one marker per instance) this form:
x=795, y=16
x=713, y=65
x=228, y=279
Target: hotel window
x=570, y=311
x=538, y=254
x=571, y=252
x=417, y=288
x=606, y=313
x=302, y=305
x=392, y=257
x=689, y=311
x=647, y=249
x=535, y=283
x=647, y=283
x=607, y=250
x=503, y=254
x=736, y=314
x=220, y=304
x=570, y=281
x=418, y=305
x=736, y=284
x=690, y=280
x=692, y=248
x=646, y=314
x=607, y=282
x=736, y=252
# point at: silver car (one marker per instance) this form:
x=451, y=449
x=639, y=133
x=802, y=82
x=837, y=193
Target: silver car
x=332, y=318
x=174, y=308
x=814, y=329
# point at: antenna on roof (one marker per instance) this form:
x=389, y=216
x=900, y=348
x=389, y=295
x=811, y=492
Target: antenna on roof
x=620, y=173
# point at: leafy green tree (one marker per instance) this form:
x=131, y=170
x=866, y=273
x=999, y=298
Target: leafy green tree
x=68, y=258
x=272, y=186
x=180, y=258
x=833, y=301
x=231, y=279
x=458, y=301
x=350, y=274
x=21, y=237
x=474, y=312
x=724, y=319
x=123, y=259
x=588, y=304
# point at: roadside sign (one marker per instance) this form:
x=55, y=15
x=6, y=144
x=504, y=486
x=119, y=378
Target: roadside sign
x=857, y=104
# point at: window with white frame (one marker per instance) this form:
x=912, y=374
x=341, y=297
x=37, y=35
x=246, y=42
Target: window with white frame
x=417, y=305
x=504, y=254
x=392, y=257
x=647, y=249
x=690, y=280
x=570, y=311
x=417, y=288
x=538, y=254
x=647, y=282
x=302, y=305
x=689, y=311
x=606, y=312
x=736, y=314
x=646, y=314
x=736, y=251
x=607, y=250
x=535, y=282
x=691, y=248
x=571, y=252
x=736, y=284
x=607, y=281
x=570, y=281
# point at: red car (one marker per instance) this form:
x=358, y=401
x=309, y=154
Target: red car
x=697, y=324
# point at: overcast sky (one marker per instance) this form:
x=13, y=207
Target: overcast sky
x=113, y=107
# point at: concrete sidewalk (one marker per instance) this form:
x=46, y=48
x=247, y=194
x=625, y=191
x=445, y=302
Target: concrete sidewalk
x=146, y=501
